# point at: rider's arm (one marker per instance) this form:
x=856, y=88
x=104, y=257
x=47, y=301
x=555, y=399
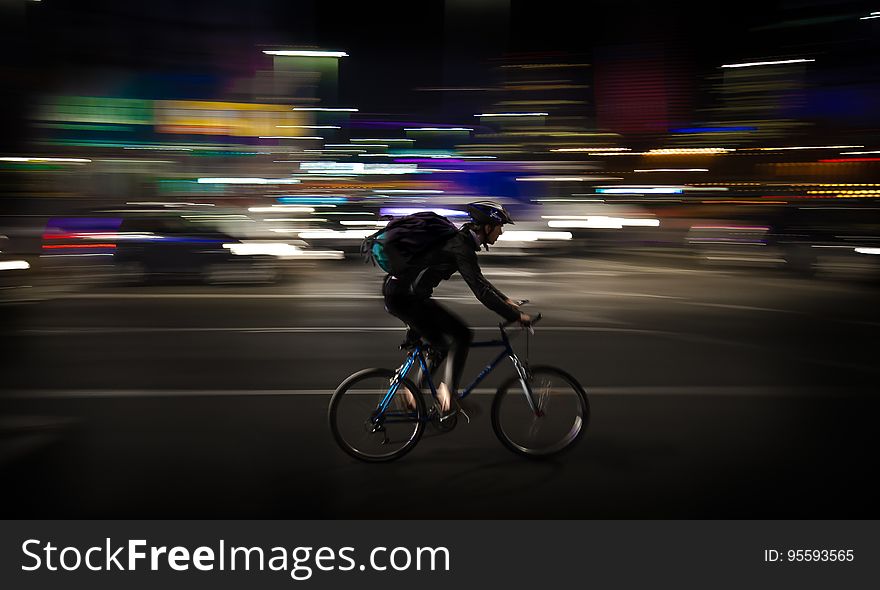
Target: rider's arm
x=469, y=268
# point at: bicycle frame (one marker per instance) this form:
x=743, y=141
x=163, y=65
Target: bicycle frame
x=417, y=356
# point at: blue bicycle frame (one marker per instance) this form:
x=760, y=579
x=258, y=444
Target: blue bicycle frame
x=417, y=356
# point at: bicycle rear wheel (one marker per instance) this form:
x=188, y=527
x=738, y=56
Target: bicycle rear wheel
x=364, y=432
x=562, y=417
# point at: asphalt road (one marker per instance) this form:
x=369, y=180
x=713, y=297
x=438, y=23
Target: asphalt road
x=715, y=393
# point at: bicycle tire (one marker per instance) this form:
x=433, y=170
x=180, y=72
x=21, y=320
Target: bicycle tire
x=349, y=417
x=516, y=426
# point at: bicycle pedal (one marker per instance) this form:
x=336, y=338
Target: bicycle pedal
x=448, y=415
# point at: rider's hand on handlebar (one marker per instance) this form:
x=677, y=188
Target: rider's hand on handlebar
x=517, y=303
x=525, y=320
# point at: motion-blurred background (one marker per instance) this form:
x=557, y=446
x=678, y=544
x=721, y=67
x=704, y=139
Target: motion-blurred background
x=184, y=187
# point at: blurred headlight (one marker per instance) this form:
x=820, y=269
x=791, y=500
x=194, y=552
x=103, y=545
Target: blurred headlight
x=14, y=265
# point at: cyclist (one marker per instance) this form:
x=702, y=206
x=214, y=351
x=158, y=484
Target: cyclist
x=411, y=302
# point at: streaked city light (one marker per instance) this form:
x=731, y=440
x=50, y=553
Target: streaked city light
x=556, y=178
x=326, y=109
x=533, y=236
x=512, y=115
x=409, y=192
x=592, y=149
x=170, y=204
x=347, y=213
x=233, y=180
x=281, y=250
x=14, y=265
x=365, y=222
x=688, y=151
x=401, y=211
x=290, y=137
x=330, y=234
x=308, y=126
x=305, y=53
x=569, y=200
x=712, y=129
x=76, y=246
x=281, y=209
x=159, y=148
x=357, y=168
x=381, y=140
x=603, y=222
x=438, y=129
x=316, y=200
x=673, y=170
x=641, y=191
x=38, y=159
x=261, y=248
x=841, y=160
x=335, y=151
x=767, y=63
x=804, y=147
x=434, y=155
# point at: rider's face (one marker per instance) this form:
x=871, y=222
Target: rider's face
x=493, y=232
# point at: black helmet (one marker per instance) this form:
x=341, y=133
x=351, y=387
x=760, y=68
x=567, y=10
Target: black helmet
x=488, y=212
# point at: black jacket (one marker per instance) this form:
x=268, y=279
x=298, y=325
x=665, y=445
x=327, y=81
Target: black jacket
x=459, y=254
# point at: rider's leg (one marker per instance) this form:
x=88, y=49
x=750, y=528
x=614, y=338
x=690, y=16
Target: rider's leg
x=443, y=329
x=459, y=337
x=416, y=313
x=406, y=397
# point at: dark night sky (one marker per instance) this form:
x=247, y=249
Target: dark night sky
x=396, y=46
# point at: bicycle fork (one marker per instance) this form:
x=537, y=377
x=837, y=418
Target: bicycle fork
x=525, y=377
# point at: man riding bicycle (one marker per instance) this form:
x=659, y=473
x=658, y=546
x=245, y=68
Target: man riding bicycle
x=410, y=299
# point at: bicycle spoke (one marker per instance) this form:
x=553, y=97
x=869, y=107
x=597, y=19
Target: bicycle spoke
x=557, y=421
x=360, y=427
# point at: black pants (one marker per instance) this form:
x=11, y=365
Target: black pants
x=446, y=332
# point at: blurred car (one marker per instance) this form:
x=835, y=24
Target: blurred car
x=15, y=272
x=154, y=247
x=831, y=239
x=838, y=239
x=598, y=228
x=734, y=242
x=143, y=245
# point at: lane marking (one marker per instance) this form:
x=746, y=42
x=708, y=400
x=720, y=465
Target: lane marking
x=466, y=298
x=530, y=273
x=217, y=296
x=741, y=307
x=691, y=390
x=626, y=294
x=240, y=296
x=312, y=330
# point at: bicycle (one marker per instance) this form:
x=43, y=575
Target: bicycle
x=372, y=423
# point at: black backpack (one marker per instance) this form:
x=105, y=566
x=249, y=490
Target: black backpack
x=398, y=247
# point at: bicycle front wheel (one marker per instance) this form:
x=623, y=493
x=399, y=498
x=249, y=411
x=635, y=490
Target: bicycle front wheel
x=361, y=427
x=562, y=415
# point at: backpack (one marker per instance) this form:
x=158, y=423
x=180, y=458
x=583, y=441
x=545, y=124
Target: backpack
x=398, y=247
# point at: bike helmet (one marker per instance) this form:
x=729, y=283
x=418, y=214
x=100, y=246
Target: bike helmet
x=488, y=212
